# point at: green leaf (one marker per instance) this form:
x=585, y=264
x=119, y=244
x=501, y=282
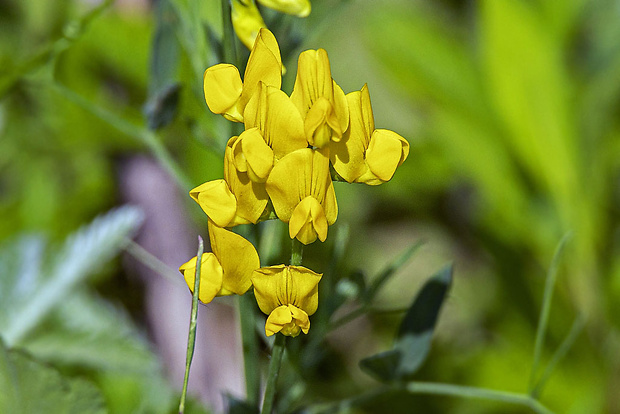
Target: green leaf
x=165, y=49
x=237, y=406
x=382, y=366
x=86, y=331
x=415, y=334
x=416, y=330
x=82, y=255
x=161, y=108
x=163, y=99
x=31, y=387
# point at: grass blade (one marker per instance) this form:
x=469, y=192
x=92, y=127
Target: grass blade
x=191, y=337
x=543, y=320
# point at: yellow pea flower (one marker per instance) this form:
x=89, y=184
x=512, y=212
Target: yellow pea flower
x=319, y=99
x=302, y=193
x=289, y=295
x=233, y=200
x=227, y=269
x=274, y=128
x=224, y=91
x=365, y=154
x=299, y=8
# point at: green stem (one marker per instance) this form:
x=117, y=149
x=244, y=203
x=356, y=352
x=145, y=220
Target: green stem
x=356, y=313
x=274, y=369
x=297, y=250
x=479, y=393
x=191, y=337
x=149, y=260
x=559, y=354
x=251, y=363
x=543, y=320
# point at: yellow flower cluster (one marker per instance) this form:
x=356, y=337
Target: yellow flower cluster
x=281, y=163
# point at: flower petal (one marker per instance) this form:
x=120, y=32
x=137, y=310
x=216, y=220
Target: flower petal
x=319, y=176
x=215, y=199
x=317, y=123
x=268, y=285
x=264, y=65
x=247, y=21
x=281, y=124
x=278, y=319
x=258, y=155
x=223, y=89
x=330, y=206
x=287, y=182
x=348, y=155
x=308, y=221
x=251, y=197
x=286, y=285
x=305, y=288
x=367, y=115
x=299, y=8
x=341, y=109
x=210, y=276
x=314, y=80
x=300, y=318
x=236, y=255
x=300, y=174
x=387, y=150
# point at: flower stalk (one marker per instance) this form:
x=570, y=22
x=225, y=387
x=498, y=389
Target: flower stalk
x=191, y=338
x=274, y=369
x=297, y=249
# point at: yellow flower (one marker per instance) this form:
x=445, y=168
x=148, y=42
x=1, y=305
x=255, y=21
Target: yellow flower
x=299, y=8
x=274, y=128
x=302, y=193
x=234, y=200
x=365, y=154
x=319, y=99
x=289, y=295
x=225, y=271
x=227, y=95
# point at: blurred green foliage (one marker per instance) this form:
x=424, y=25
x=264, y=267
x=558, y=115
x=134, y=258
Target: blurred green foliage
x=511, y=108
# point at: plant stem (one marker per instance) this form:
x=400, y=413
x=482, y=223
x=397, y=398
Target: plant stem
x=479, y=393
x=149, y=260
x=297, y=250
x=191, y=337
x=559, y=354
x=543, y=320
x=274, y=369
x=251, y=363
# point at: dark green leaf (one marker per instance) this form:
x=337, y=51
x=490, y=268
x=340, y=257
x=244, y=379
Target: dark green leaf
x=162, y=107
x=237, y=406
x=416, y=329
x=415, y=333
x=382, y=366
x=165, y=49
